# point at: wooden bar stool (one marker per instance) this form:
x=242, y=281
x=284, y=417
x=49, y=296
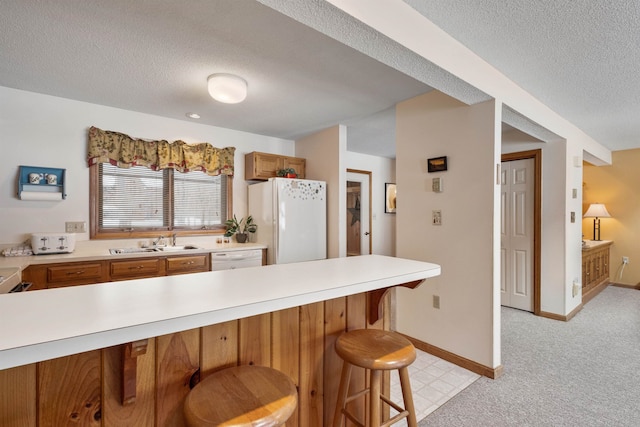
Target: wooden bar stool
x=241, y=396
x=377, y=351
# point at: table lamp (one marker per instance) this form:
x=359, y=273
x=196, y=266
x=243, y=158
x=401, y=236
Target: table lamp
x=596, y=211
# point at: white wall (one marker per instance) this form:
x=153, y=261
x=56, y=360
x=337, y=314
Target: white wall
x=383, y=225
x=42, y=130
x=466, y=245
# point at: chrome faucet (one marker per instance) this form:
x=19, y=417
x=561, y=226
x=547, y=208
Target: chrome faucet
x=173, y=239
x=159, y=241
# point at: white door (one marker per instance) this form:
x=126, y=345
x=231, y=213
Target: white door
x=358, y=208
x=517, y=199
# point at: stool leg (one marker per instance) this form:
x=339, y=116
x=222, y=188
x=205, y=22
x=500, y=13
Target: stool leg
x=374, y=398
x=407, y=396
x=342, y=394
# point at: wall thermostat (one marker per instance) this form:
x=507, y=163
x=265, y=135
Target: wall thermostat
x=436, y=185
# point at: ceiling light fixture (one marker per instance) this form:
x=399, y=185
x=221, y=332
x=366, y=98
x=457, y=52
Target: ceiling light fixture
x=227, y=88
x=193, y=115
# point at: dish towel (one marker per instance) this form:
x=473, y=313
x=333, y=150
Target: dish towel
x=23, y=249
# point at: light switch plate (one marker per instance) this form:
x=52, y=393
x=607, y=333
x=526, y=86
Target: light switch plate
x=436, y=185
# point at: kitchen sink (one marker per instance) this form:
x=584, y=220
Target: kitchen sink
x=119, y=251
x=176, y=248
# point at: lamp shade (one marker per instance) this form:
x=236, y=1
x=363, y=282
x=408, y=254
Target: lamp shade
x=597, y=210
x=227, y=88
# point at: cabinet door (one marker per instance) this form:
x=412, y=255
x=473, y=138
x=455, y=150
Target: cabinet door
x=188, y=264
x=137, y=268
x=297, y=164
x=261, y=165
x=77, y=273
x=267, y=166
x=67, y=274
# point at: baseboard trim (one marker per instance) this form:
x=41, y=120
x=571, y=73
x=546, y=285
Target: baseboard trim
x=563, y=318
x=625, y=285
x=472, y=366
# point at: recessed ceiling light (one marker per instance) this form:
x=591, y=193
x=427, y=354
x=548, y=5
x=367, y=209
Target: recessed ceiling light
x=193, y=115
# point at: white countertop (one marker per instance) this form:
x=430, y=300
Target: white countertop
x=9, y=278
x=45, y=324
x=590, y=244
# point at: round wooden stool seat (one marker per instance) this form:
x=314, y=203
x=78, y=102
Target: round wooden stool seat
x=375, y=349
x=241, y=396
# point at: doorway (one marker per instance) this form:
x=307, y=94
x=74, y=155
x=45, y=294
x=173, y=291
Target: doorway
x=358, y=228
x=521, y=180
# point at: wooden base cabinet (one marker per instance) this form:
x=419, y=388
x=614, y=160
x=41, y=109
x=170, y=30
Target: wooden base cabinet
x=595, y=270
x=85, y=389
x=46, y=276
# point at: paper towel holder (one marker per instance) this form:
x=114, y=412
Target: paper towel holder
x=51, y=185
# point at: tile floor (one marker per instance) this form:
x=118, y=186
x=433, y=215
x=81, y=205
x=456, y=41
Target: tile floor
x=433, y=381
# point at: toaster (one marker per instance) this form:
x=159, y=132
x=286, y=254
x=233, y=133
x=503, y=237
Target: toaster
x=52, y=243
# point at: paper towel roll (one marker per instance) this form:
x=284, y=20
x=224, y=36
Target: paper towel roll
x=39, y=195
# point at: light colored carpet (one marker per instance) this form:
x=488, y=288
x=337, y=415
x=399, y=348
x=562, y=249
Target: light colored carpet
x=585, y=372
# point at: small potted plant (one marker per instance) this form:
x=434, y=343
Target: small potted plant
x=240, y=228
x=287, y=173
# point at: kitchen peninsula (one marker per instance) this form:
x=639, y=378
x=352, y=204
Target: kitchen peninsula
x=285, y=316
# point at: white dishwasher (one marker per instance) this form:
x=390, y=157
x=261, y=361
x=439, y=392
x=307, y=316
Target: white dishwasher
x=230, y=260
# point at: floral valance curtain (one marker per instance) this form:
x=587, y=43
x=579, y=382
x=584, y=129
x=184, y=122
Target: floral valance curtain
x=123, y=151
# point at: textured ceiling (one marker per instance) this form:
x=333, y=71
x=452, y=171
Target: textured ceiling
x=310, y=66
x=579, y=57
x=154, y=56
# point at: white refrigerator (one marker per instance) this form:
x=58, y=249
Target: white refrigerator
x=291, y=215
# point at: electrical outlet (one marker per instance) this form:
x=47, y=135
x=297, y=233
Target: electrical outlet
x=576, y=288
x=436, y=217
x=625, y=260
x=436, y=301
x=75, y=227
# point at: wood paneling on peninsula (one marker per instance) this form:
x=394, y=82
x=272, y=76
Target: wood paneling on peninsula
x=85, y=389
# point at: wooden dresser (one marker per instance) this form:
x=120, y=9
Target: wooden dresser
x=595, y=268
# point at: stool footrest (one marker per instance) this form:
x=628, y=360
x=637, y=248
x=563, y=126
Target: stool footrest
x=392, y=404
x=395, y=419
x=356, y=395
x=352, y=419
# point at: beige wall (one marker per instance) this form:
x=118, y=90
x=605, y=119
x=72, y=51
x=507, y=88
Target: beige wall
x=466, y=245
x=617, y=186
x=328, y=148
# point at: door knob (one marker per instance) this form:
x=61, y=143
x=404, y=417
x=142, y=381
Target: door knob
x=366, y=233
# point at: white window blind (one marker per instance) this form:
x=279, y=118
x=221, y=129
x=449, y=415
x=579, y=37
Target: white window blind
x=144, y=199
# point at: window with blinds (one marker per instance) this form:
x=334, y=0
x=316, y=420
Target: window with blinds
x=139, y=199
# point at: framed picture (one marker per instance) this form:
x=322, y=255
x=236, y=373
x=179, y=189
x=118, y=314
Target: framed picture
x=390, y=197
x=437, y=164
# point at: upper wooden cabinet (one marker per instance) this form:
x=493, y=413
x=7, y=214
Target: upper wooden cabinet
x=262, y=166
